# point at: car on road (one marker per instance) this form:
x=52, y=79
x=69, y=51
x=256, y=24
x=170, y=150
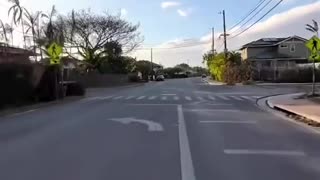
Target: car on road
x=204, y=76
x=160, y=78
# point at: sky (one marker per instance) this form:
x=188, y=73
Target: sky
x=167, y=25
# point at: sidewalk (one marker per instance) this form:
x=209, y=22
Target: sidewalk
x=308, y=108
x=212, y=82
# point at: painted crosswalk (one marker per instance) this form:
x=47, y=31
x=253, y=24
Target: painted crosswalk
x=204, y=98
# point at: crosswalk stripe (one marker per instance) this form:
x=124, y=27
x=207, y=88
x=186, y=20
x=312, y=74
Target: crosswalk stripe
x=141, y=97
x=129, y=97
x=164, y=98
x=106, y=97
x=118, y=97
x=176, y=98
x=200, y=98
x=248, y=98
x=152, y=97
x=188, y=98
x=237, y=98
x=257, y=97
x=212, y=98
x=224, y=98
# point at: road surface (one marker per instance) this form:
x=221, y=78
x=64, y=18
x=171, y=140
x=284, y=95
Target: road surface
x=174, y=130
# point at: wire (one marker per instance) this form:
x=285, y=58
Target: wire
x=254, y=15
x=254, y=9
x=257, y=20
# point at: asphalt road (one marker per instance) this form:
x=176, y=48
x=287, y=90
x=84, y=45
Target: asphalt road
x=174, y=130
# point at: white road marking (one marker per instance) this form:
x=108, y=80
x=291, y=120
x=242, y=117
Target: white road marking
x=224, y=98
x=237, y=98
x=106, y=97
x=212, y=98
x=152, y=97
x=152, y=104
x=257, y=97
x=249, y=98
x=187, y=169
x=263, y=152
x=176, y=98
x=141, y=97
x=118, y=97
x=91, y=99
x=152, y=126
x=200, y=98
x=168, y=94
x=24, y=112
x=130, y=97
x=229, y=122
x=164, y=98
x=188, y=98
x=213, y=110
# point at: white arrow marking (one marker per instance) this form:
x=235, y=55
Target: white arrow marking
x=152, y=126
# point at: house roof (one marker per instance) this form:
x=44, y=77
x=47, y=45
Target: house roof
x=267, y=42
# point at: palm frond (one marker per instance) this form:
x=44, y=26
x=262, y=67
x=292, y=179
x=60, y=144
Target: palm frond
x=310, y=28
x=315, y=25
x=4, y=31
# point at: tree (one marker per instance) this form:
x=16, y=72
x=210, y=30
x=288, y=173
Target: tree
x=184, y=66
x=3, y=32
x=17, y=14
x=31, y=23
x=315, y=29
x=9, y=29
x=91, y=34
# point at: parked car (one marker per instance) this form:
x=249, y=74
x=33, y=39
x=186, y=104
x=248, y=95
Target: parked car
x=160, y=78
x=204, y=76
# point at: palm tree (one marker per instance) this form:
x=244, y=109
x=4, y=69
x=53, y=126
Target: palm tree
x=31, y=23
x=3, y=32
x=17, y=14
x=315, y=29
x=9, y=28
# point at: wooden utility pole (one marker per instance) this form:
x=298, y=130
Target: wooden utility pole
x=212, y=47
x=224, y=34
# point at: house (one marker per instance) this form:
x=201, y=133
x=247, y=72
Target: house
x=279, y=53
x=9, y=54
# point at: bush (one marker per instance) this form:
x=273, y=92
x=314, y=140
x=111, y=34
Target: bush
x=47, y=86
x=75, y=89
x=133, y=78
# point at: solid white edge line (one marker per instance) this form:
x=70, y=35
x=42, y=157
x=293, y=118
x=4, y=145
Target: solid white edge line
x=229, y=122
x=187, y=169
x=263, y=152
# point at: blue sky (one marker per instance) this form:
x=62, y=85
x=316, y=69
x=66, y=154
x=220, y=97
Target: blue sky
x=190, y=21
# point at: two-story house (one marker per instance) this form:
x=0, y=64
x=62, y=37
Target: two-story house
x=279, y=53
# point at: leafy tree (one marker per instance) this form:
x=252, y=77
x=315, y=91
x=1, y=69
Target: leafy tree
x=92, y=35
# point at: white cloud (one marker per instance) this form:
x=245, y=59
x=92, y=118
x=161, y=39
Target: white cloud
x=182, y=13
x=123, y=12
x=169, y=4
x=287, y=23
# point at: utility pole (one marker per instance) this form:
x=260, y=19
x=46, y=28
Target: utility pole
x=151, y=65
x=212, y=47
x=224, y=34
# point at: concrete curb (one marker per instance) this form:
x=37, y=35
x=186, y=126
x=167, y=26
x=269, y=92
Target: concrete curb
x=265, y=105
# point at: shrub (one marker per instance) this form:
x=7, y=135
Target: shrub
x=75, y=89
x=133, y=78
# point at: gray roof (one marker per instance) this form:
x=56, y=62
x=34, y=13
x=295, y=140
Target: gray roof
x=269, y=42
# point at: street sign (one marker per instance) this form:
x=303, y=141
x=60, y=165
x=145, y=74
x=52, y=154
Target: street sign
x=313, y=45
x=54, y=52
x=314, y=57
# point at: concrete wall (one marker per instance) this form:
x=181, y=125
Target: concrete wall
x=94, y=79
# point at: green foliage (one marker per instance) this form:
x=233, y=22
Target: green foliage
x=229, y=69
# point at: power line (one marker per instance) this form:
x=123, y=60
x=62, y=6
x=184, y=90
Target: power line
x=254, y=15
x=254, y=9
x=257, y=20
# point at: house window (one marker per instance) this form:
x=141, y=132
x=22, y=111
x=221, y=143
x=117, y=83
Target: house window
x=283, y=46
x=292, y=48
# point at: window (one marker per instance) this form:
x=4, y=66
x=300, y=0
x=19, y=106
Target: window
x=283, y=46
x=292, y=48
